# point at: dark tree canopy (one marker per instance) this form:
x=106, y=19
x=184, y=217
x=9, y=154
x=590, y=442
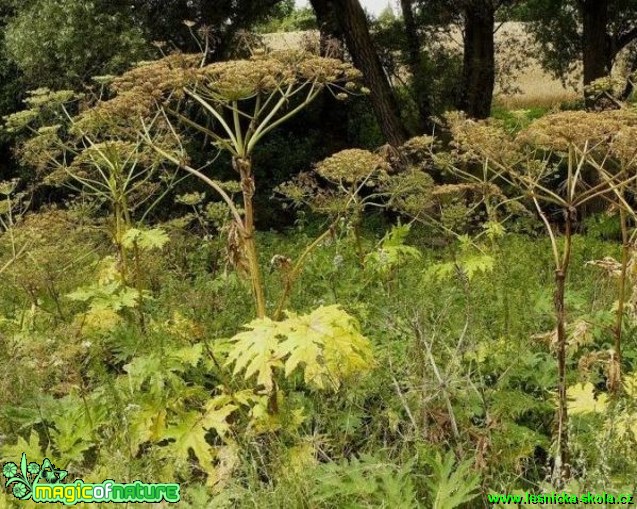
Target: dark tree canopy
x=163, y=19
x=591, y=32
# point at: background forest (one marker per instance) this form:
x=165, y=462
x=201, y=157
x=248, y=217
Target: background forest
x=315, y=258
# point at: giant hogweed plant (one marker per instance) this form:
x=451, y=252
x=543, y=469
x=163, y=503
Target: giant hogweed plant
x=234, y=105
x=343, y=187
x=346, y=185
x=561, y=162
x=601, y=145
x=241, y=102
x=619, y=158
x=107, y=165
x=351, y=182
x=353, y=178
x=13, y=206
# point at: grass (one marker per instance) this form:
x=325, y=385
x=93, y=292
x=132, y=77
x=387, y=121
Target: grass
x=462, y=365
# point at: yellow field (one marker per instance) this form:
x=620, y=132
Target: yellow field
x=517, y=67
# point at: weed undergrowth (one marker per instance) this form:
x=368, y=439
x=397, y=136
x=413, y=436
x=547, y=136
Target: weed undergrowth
x=463, y=403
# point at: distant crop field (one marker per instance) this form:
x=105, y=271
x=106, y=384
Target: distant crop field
x=534, y=87
x=528, y=84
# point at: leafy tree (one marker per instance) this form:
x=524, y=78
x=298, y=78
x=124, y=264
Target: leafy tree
x=423, y=19
x=221, y=21
x=414, y=41
x=63, y=43
x=285, y=17
x=593, y=32
x=414, y=45
x=12, y=89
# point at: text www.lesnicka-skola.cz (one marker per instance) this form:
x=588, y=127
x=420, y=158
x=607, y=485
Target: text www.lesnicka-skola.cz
x=560, y=498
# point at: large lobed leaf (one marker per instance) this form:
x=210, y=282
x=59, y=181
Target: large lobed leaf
x=326, y=344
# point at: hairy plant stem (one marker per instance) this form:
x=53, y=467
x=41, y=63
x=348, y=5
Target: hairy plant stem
x=615, y=380
x=561, y=472
x=562, y=412
x=356, y=228
x=118, y=239
x=560, y=315
x=139, y=286
x=244, y=167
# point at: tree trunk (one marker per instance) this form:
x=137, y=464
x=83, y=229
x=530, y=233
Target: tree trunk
x=597, y=58
x=329, y=28
x=415, y=65
x=479, y=59
x=353, y=23
x=334, y=116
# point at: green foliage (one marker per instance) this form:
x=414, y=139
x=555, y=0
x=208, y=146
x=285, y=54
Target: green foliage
x=83, y=39
x=106, y=298
x=40, y=268
x=443, y=384
x=469, y=263
x=174, y=411
x=288, y=18
x=434, y=77
x=452, y=484
x=517, y=120
x=326, y=344
x=145, y=239
x=603, y=226
x=364, y=482
x=557, y=27
x=392, y=251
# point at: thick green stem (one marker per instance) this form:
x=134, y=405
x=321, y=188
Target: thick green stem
x=244, y=167
x=562, y=467
x=359, y=243
x=137, y=276
x=615, y=380
x=139, y=286
x=120, y=230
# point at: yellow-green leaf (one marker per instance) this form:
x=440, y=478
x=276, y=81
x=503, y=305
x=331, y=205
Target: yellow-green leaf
x=189, y=435
x=582, y=399
x=216, y=414
x=328, y=344
x=254, y=351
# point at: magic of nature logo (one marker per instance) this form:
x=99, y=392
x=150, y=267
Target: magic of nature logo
x=44, y=483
